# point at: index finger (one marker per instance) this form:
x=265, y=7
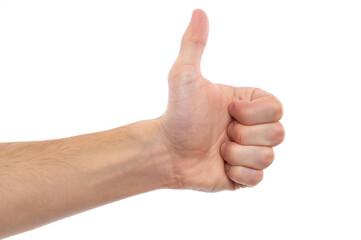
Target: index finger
x=261, y=108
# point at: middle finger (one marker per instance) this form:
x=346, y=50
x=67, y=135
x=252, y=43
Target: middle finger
x=270, y=134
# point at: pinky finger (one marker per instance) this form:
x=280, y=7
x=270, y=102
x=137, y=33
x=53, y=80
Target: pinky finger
x=237, y=186
x=243, y=175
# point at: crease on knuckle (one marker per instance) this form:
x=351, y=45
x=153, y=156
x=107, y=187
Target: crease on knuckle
x=249, y=177
x=276, y=109
x=255, y=177
x=230, y=155
x=278, y=134
x=238, y=132
x=266, y=157
x=247, y=115
x=184, y=72
x=226, y=152
x=233, y=174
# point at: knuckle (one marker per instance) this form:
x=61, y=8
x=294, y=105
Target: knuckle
x=231, y=154
x=246, y=112
x=229, y=130
x=185, y=73
x=276, y=109
x=188, y=77
x=246, y=176
x=239, y=132
x=255, y=177
x=227, y=151
x=277, y=134
x=235, y=131
x=233, y=174
x=266, y=157
x=242, y=111
x=247, y=115
x=197, y=42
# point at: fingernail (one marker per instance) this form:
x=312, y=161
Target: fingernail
x=230, y=129
x=231, y=109
x=223, y=149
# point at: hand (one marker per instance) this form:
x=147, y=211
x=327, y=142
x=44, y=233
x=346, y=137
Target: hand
x=211, y=137
x=219, y=137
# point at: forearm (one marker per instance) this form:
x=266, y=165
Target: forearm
x=45, y=181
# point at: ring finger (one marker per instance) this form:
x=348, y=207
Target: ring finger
x=270, y=134
x=255, y=157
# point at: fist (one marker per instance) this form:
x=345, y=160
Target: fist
x=253, y=131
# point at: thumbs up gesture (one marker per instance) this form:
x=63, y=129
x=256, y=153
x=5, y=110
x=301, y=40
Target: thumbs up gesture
x=219, y=137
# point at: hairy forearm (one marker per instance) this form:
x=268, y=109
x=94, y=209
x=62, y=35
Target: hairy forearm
x=45, y=181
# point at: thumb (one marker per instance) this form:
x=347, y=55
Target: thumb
x=194, y=40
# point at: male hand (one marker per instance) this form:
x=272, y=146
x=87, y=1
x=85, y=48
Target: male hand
x=219, y=137
x=212, y=137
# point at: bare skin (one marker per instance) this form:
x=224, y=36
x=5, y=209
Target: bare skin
x=212, y=137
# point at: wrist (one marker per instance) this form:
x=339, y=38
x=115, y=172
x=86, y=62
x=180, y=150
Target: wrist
x=153, y=159
x=134, y=160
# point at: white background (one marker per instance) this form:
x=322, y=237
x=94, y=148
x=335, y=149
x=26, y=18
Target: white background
x=71, y=67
